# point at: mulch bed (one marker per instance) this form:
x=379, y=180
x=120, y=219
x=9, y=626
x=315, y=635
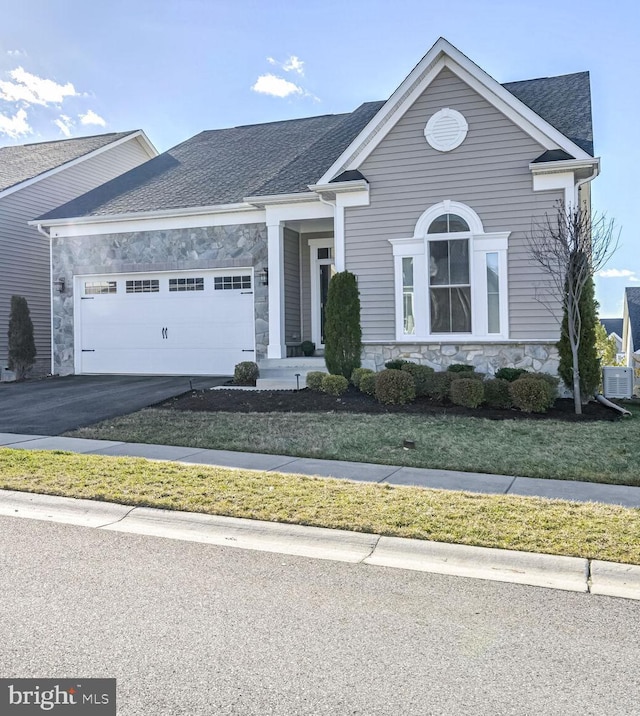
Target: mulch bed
x=353, y=401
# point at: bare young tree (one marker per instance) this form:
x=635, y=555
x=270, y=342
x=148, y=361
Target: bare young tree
x=570, y=247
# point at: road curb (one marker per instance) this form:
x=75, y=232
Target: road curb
x=501, y=565
x=615, y=580
x=527, y=568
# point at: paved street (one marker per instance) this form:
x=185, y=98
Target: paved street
x=194, y=629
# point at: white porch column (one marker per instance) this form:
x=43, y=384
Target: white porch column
x=275, y=240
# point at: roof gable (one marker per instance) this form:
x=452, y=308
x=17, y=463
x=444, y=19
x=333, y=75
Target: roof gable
x=25, y=162
x=444, y=54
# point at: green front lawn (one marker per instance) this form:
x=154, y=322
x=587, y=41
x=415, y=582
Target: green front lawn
x=589, y=451
x=529, y=524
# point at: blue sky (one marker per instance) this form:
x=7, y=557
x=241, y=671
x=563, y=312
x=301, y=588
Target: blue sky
x=174, y=68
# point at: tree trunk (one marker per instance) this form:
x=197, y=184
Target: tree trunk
x=577, y=397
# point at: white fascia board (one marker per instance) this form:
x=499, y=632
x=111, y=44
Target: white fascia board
x=444, y=54
x=122, y=225
x=137, y=135
x=340, y=187
x=277, y=213
x=298, y=197
x=566, y=165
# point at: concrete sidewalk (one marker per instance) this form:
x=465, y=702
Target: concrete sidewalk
x=366, y=472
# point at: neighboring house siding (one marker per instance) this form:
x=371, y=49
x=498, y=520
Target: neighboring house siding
x=489, y=172
x=242, y=245
x=292, y=286
x=24, y=253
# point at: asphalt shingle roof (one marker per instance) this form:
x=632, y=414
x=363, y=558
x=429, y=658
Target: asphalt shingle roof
x=224, y=166
x=18, y=163
x=632, y=297
x=612, y=325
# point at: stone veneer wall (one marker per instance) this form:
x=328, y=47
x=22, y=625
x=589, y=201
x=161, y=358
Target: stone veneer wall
x=487, y=358
x=172, y=250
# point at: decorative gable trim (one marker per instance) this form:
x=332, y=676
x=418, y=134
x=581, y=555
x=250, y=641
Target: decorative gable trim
x=444, y=54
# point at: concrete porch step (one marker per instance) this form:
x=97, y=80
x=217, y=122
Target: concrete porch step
x=280, y=384
x=280, y=374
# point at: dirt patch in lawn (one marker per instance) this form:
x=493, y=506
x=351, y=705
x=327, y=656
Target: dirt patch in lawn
x=353, y=401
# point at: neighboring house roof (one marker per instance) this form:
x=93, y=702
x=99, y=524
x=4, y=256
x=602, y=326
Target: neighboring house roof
x=632, y=299
x=22, y=162
x=224, y=166
x=612, y=325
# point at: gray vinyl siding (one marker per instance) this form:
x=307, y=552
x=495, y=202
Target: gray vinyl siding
x=488, y=172
x=291, y=286
x=24, y=253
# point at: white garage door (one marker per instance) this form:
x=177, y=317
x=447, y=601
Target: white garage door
x=178, y=323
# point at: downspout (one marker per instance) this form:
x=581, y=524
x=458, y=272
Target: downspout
x=48, y=235
x=591, y=177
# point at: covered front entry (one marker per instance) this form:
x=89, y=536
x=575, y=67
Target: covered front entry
x=170, y=323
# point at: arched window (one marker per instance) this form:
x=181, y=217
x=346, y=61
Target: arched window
x=451, y=277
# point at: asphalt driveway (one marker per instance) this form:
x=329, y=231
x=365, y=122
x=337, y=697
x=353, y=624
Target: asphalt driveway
x=52, y=406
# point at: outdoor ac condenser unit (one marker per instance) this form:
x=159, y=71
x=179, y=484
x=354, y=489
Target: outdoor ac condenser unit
x=617, y=382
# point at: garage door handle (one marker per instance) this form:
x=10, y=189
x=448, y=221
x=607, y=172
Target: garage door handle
x=165, y=333
x=88, y=350
x=247, y=350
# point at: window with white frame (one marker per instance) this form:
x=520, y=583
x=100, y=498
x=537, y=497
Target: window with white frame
x=451, y=278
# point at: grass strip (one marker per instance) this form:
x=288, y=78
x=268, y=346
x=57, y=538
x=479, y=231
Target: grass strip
x=590, y=451
x=589, y=530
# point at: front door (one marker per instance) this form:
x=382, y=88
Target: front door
x=322, y=270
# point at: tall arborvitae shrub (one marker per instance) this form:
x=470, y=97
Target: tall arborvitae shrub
x=22, y=346
x=342, y=332
x=588, y=360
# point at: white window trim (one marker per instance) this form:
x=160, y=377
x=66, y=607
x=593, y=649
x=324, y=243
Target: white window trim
x=480, y=244
x=314, y=265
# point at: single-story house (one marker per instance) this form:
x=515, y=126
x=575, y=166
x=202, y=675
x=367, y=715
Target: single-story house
x=221, y=249
x=631, y=326
x=35, y=178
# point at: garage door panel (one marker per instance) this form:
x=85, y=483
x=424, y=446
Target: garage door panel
x=166, y=332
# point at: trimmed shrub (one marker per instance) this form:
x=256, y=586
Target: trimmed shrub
x=510, y=374
x=368, y=383
x=531, y=395
x=420, y=374
x=471, y=374
x=334, y=384
x=308, y=348
x=459, y=368
x=496, y=393
x=22, y=346
x=357, y=374
x=314, y=379
x=396, y=363
x=395, y=387
x=467, y=392
x=343, y=335
x=246, y=373
x=551, y=382
x=438, y=385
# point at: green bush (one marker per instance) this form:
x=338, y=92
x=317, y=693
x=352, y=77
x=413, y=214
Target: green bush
x=246, y=373
x=21, y=346
x=357, y=374
x=467, y=392
x=510, y=374
x=314, y=379
x=334, y=384
x=420, y=374
x=343, y=335
x=459, y=368
x=496, y=393
x=396, y=363
x=467, y=374
x=438, y=385
x=531, y=395
x=550, y=381
x=395, y=387
x=308, y=348
x=368, y=383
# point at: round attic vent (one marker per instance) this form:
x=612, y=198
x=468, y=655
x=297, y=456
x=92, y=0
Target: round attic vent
x=446, y=130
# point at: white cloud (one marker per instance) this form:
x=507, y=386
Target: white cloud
x=276, y=86
x=92, y=118
x=15, y=126
x=291, y=64
x=618, y=273
x=294, y=64
x=16, y=53
x=64, y=124
x=32, y=89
